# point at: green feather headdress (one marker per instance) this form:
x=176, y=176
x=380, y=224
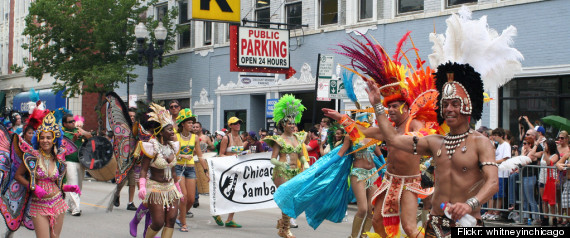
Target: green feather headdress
x=288, y=107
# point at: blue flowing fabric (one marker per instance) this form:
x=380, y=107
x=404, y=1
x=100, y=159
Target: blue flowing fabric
x=321, y=191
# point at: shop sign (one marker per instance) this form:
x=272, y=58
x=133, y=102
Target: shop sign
x=21, y=101
x=219, y=10
x=257, y=81
x=269, y=108
x=268, y=48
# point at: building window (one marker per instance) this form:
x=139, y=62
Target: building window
x=536, y=98
x=207, y=33
x=161, y=11
x=405, y=6
x=365, y=9
x=294, y=13
x=184, y=37
x=451, y=3
x=329, y=12
x=262, y=14
x=241, y=114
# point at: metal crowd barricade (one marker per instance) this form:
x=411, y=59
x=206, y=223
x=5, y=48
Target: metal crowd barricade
x=520, y=199
x=536, y=193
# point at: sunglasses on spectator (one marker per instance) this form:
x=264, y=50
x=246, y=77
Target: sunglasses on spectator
x=174, y=106
x=237, y=123
x=561, y=138
x=72, y=121
x=524, y=143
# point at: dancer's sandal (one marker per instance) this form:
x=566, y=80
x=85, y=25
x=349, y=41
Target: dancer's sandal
x=232, y=224
x=184, y=228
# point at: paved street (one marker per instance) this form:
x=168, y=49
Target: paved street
x=96, y=222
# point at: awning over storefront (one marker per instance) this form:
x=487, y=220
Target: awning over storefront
x=51, y=100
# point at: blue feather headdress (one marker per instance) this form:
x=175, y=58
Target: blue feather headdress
x=59, y=114
x=347, y=79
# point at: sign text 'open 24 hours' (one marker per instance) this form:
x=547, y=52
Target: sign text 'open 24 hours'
x=259, y=47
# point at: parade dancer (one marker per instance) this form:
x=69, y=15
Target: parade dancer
x=159, y=156
x=43, y=175
x=185, y=168
x=288, y=149
x=231, y=144
x=466, y=173
x=411, y=105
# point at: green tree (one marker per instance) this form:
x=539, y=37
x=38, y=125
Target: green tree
x=89, y=46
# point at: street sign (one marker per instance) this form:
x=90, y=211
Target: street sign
x=323, y=90
x=337, y=90
x=269, y=108
x=219, y=10
x=326, y=66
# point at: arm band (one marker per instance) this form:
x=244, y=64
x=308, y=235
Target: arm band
x=415, y=138
x=490, y=163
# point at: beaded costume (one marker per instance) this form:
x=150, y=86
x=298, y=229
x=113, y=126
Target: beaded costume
x=470, y=58
x=283, y=169
x=161, y=193
x=41, y=176
x=397, y=81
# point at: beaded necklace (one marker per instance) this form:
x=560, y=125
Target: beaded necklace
x=453, y=141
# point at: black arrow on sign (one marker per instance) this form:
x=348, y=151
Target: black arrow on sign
x=205, y=5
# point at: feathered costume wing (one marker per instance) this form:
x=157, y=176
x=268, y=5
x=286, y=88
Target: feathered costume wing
x=123, y=140
x=14, y=202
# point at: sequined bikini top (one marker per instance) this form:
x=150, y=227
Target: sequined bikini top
x=158, y=153
x=287, y=148
x=367, y=153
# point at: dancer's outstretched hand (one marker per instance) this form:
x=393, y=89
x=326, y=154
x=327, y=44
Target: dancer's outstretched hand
x=72, y=188
x=332, y=114
x=373, y=92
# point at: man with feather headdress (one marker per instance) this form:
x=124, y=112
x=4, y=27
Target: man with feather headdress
x=409, y=94
x=466, y=172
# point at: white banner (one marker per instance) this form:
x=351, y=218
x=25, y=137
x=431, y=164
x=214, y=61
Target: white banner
x=259, y=47
x=241, y=183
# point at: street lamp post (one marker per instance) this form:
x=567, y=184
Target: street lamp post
x=150, y=52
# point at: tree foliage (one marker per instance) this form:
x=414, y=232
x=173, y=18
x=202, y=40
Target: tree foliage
x=89, y=45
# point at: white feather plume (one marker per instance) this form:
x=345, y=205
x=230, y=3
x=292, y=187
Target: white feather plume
x=472, y=42
x=513, y=163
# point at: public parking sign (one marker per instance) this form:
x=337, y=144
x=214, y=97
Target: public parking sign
x=218, y=10
x=268, y=48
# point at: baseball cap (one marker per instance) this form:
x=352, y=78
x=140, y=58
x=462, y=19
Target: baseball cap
x=233, y=120
x=540, y=129
x=252, y=133
x=220, y=133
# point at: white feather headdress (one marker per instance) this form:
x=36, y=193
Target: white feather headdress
x=472, y=42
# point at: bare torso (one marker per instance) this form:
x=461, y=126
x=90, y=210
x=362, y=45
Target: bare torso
x=400, y=162
x=458, y=178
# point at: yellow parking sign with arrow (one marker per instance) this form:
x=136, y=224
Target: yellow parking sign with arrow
x=218, y=10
